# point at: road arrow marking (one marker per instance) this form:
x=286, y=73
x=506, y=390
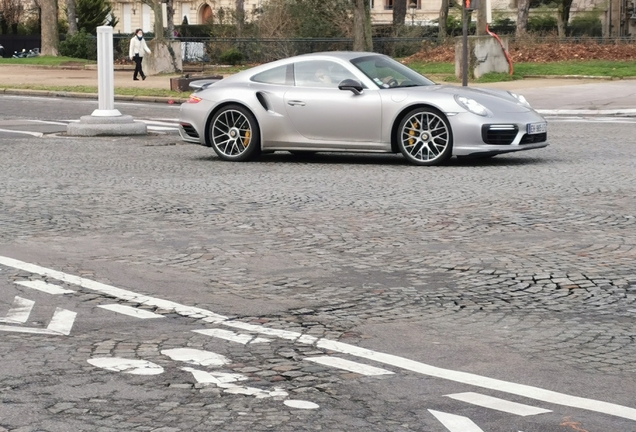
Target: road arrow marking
x=131, y=366
x=221, y=381
x=44, y=287
x=196, y=357
x=19, y=312
x=455, y=423
x=131, y=311
x=498, y=404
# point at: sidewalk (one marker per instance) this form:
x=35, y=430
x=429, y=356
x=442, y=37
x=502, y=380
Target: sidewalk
x=566, y=96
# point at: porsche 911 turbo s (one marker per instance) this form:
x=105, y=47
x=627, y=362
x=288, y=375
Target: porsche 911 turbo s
x=355, y=102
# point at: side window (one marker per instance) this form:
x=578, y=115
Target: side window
x=319, y=73
x=277, y=75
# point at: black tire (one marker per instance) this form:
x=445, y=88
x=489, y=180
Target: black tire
x=424, y=137
x=234, y=134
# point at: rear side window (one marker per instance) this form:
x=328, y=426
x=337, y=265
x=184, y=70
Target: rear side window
x=278, y=75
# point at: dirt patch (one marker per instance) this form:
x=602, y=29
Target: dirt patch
x=537, y=52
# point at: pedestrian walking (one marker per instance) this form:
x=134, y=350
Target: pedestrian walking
x=136, y=53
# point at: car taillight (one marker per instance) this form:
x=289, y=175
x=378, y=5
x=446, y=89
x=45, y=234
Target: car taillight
x=194, y=99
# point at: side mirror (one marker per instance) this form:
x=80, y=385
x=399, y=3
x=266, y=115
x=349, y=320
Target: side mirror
x=351, y=85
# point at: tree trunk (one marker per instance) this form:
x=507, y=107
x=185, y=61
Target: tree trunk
x=158, y=28
x=399, y=14
x=443, y=19
x=481, y=19
x=523, y=8
x=170, y=17
x=362, y=26
x=71, y=17
x=563, y=16
x=240, y=17
x=49, y=34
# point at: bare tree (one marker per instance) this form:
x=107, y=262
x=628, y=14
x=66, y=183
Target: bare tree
x=11, y=11
x=170, y=16
x=443, y=19
x=563, y=16
x=49, y=33
x=71, y=17
x=523, y=7
x=362, y=26
x=480, y=30
x=157, y=10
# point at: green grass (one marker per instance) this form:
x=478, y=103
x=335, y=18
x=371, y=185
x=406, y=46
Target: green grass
x=123, y=91
x=615, y=69
x=428, y=69
x=45, y=61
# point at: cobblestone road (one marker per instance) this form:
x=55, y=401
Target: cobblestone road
x=535, y=249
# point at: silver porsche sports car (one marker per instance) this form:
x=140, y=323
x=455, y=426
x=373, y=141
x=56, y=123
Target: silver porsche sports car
x=355, y=102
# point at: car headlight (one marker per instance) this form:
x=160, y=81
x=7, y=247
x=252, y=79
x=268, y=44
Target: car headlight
x=522, y=100
x=471, y=105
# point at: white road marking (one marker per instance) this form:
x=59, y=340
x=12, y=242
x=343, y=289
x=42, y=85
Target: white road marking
x=455, y=423
x=131, y=366
x=498, y=404
x=389, y=359
x=592, y=119
x=301, y=404
x=608, y=112
x=49, y=122
x=350, y=366
x=232, y=336
x=215, y=378
x=196, y=357
x=62, y=321
x=31, y=330
x=35, y=134
x=19, y=312
x=44, y=287
x=131, y=311
x=204, y=377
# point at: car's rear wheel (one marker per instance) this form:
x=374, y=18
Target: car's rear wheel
x=424, y=137
x=234, y=134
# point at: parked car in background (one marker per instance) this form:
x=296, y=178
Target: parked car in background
x=355, y=102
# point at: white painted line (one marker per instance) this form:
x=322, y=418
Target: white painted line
x=62, y=321
x=196, y=357
x=498, y=404
x=30, y=330
x=389, y=359
x=44, y=287
x=112, y=291
x=620, y=111
x=350, y=366
x=162, y=128
x=131, y=311
x=232, y=336
x=131, y=366
x=455, y=423
x=301, y=404
x=19, y=312
x=224, y=382
x=49, y=122
x=35, y=134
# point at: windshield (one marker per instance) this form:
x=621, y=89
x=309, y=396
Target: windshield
x=387, y=73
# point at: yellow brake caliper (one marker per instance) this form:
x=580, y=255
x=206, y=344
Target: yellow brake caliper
x=246, y=140
x=412, y=133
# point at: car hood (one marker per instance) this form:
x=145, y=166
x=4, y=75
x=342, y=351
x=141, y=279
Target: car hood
x=493, y=99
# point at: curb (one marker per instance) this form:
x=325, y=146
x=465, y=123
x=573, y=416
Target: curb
x=121, y=98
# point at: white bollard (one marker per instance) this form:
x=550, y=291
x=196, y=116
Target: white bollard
x=105, y=74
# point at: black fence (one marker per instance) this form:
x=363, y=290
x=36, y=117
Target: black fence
x=13, y=43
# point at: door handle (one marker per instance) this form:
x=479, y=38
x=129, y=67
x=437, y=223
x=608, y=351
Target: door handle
x=296, y=103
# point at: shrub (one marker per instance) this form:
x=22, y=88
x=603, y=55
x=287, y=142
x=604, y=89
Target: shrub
x=80, y=45
x=542, y=23
x=231, y=56
x=586, y=24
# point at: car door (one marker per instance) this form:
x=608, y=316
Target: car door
x=320, y=111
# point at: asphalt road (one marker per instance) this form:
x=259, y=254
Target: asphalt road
x=382, y=296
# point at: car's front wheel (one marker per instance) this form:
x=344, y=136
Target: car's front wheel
x=424, y=137
x=234, y=134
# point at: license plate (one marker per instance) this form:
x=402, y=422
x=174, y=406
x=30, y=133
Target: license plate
x=537, y=128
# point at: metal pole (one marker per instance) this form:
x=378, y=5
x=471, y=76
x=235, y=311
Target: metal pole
x=464, y=45
x=105, y=74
